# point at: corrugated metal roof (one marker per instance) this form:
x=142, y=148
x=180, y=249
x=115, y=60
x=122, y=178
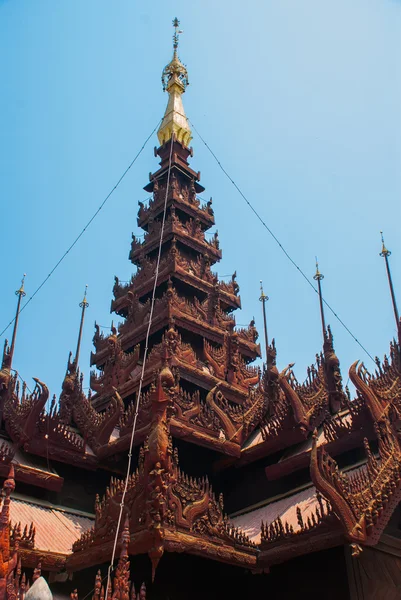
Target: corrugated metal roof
x=56, y=530
x=285, y=508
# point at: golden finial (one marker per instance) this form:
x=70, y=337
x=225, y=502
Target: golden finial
x=21, y=291
x=175, y=81
x=263, y=298
x=84, y=303
x=384, y=251
x=318, y=276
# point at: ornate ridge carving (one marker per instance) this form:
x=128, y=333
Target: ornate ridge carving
x=322, y=518
x=185, y=196
x=226, y=362
x=159, y=496
x=381, y=391
x=22, y=538
x=199, y=267
x=363, y=500
x=121, y=588
x=22, y=411
x=95, y=427
x=321, y=393
x=117, y=368
x=18, y=584
x=191, y=231
x=216, y=416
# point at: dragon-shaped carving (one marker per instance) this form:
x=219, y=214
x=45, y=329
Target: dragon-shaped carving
x=22, y=411
x=381, y=391
x=365, y=499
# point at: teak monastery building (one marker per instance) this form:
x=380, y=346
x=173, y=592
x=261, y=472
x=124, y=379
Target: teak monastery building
x=243, y=482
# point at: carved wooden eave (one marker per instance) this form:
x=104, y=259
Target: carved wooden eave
x=345, y=437
x=381, y=391
x=296, y=409
x=205, y=319
x=281, y=542
x=182, y=356
x=167, y=510
x=364, y=500
x=184, y=199
x=213, y=423
x=40, y=433
x=22, y=411
x=174, y=266
x=42, y=478
x=119, y=586
x=184, y=235
x=179, y=164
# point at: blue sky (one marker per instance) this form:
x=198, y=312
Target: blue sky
x=299, y=101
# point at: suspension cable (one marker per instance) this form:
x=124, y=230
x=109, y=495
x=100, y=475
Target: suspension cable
x=138, y=398
x=278, y=242
x=58, y=263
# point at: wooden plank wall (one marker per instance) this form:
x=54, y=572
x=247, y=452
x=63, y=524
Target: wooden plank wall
x=376, y=573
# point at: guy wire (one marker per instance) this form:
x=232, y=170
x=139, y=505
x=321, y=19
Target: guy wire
x=138, y=398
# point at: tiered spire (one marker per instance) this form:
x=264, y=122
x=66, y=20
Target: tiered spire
x=175, y=81
x=193, y=325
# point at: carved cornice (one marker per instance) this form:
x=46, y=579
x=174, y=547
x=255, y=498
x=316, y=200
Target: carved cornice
x=195, y=273
x=189, y=234
x=183, y=198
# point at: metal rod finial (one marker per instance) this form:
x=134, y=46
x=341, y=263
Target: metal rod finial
x=21, y=291
x=318, y=276
x=263, y=298
x=84, y=303
x=385, y=252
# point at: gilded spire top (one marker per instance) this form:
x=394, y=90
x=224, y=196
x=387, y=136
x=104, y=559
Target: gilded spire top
x=175, y=81
x=318, y=276
x=21, y=291
x=384, y=251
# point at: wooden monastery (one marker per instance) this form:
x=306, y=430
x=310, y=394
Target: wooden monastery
x=244, y=482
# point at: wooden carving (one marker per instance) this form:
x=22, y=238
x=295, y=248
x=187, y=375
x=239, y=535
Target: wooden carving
x=8, y=559
x=22, y=411
x=162, y=501
x=117, y=368
x=382, y=391
x=363, y=500
x=226, y=362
